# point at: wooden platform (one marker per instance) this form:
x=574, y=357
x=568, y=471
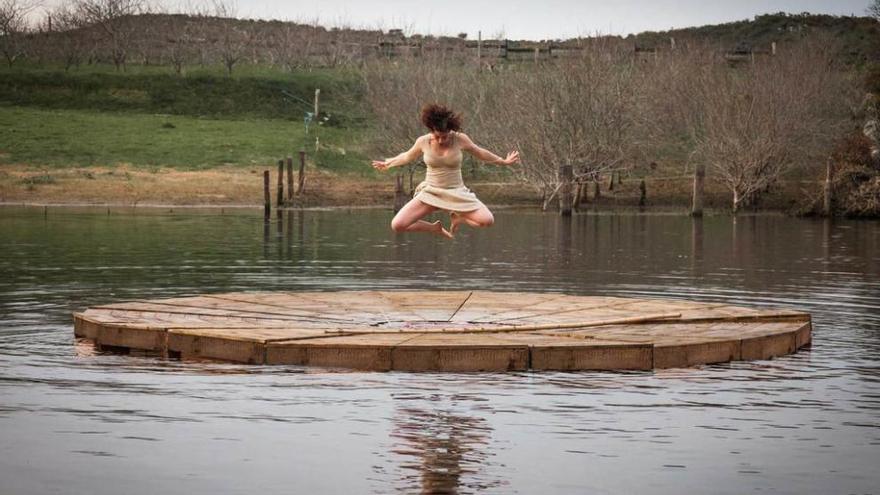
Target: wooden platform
x=446, y=331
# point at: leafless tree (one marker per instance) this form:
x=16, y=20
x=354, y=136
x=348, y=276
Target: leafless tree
x=291, y=45
x=874, y=9
x=13, y=28
x=181, y=33
x=71, y=39
x=758, y=121
x=584, y=112
x=114, y=19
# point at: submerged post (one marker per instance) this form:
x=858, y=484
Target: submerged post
x=699, y=180
x=565, y=174
x=290, y=180
x=279, y=200
x=267, y=202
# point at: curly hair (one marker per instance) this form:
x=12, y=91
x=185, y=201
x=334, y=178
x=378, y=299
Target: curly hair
x=439, y=118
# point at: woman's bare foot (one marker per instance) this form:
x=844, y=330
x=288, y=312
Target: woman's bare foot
x=440, y=230
x=454, y=222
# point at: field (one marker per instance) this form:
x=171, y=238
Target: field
x=93, y=135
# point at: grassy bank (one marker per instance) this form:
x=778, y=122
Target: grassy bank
x=79, y=138
x=254, y=91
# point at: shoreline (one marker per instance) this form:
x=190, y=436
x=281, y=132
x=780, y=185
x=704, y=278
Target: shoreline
x=127, y=187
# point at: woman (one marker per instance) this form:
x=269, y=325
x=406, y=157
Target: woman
x=443, y=188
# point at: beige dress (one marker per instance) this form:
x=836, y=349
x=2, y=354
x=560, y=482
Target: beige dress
x=443, y=186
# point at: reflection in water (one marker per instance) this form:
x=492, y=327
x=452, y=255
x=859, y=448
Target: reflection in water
x=442, y=451
x=72, y=418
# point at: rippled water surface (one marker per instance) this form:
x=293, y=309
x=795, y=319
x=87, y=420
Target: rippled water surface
x=76, y=421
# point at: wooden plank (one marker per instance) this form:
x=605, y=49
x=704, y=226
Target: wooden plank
x=133, y=337
x=85, y=327
x=592, y=357
x=222, y=348
x=804, y=335
x=686, y=353
x=372, y=353
x=769, y=346
x=459, y=353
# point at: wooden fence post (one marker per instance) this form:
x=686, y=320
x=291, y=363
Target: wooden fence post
x=267, y=202
x=578, y=196
x=290, y=180
x=643, y=194
x=699, y=180
x=565, y=174
x=302, y=172
x=399, y=196
x=826, y=206
x=279, y=199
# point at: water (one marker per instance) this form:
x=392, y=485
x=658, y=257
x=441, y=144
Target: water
x=76, y=421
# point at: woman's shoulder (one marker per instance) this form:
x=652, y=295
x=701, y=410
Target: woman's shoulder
x=463, y=140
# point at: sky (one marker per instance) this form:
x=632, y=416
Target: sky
x=523, y=19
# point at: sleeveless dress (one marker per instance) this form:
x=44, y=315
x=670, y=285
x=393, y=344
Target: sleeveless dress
x=443, y=186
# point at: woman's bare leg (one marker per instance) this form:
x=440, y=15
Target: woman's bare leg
x=478, y=218
x=409, y=219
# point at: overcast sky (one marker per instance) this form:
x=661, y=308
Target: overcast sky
x=526, y=19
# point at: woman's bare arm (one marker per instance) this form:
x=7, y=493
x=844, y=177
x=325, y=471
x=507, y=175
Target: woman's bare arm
x=485, y=155
x=401, y=159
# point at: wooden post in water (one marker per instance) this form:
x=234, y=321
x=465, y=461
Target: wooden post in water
x=279, y=199
x=565, y=174
x=302, y=172
x=597, y=191
x=826, y=204
x=699, y=180
x=399, y=196
x=643, y=194
x=290, y=180
x=267, y=201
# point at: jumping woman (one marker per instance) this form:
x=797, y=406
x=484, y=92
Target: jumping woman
x=443, y=187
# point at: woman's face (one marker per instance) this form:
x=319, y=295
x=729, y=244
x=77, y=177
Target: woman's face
x=442, y=138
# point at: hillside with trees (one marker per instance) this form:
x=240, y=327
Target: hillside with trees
x=759, y=107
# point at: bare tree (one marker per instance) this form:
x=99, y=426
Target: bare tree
x=583, y=112
x=291, y=45
x=114, y=19
x=756, y=122
x=181, y=33
x=13, y=28
x=874, y=9
x=234, y=41
x=70, y=34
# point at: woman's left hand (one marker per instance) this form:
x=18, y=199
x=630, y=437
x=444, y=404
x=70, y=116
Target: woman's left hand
x=512, y=157
x=381, y=165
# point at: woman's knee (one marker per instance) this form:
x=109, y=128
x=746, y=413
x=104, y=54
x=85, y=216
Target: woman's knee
x=398, y=225
x=486, y=220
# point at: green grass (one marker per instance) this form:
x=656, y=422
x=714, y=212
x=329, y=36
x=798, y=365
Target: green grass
x=70, y=138
x=253, y=92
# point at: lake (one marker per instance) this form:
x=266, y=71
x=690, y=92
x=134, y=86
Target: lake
x=73, y=420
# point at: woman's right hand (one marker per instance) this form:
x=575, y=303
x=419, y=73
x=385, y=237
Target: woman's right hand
x=381, y=165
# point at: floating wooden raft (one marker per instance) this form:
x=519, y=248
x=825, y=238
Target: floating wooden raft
x=446, y=331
